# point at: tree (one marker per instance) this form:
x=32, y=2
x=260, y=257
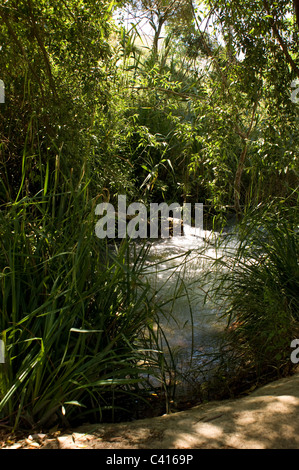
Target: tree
x=159, y=13
x=55, y=63
x=296, y=5
x=264, y=36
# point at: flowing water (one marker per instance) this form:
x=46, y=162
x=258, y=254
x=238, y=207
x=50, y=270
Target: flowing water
x=181, y=272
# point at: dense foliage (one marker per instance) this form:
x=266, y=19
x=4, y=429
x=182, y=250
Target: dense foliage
x=201, y=114
x=258, y=287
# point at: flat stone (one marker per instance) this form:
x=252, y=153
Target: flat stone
x=66, y=442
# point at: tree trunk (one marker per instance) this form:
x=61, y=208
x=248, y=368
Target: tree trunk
x=237, y=182
x=296, y=6
x=157, y=35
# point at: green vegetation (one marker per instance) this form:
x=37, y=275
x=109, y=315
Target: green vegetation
x=72, y=312
x=201, y=114
x=258, y=287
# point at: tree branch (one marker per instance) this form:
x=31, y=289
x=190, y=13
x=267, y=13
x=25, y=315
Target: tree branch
x=38, y=37
x=5, y=17
x=280, y=39
x=296, y=6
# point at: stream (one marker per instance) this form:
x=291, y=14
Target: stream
x=181, y=272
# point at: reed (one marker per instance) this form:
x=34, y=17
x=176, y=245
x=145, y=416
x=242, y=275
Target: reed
x=73, y=310
x=258, y=289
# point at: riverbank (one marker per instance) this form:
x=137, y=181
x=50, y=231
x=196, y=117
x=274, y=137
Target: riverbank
x=268, y=418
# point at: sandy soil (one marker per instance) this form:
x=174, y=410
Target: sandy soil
x=268, y=418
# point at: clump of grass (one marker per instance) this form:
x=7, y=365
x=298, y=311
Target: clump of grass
x=72, y=309
x=258, y=292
